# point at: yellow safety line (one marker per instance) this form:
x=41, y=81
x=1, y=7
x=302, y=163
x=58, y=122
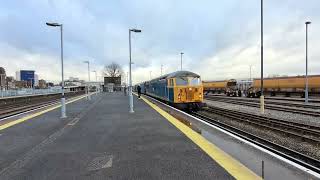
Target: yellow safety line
x=12, y=123
x=234, y=167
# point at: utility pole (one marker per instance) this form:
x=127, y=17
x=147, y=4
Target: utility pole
x=181, y=60
x=261, y=90
x=96, y=79
x=130, y=74
x=88, y=93
x=127, y=78
x=63, y=100
x=306, y=80
x=250, y=72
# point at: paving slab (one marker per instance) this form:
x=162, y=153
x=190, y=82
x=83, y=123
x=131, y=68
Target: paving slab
x=102, y=140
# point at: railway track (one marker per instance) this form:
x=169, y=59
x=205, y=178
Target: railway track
x=295, y=156
x=297, y=130
x=19, y=108
x=304, y=132
x=272, y=105
x=293, y=99
x=301, y=100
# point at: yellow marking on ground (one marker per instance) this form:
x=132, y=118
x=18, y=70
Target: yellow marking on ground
x=234, y=167
x=12, y=123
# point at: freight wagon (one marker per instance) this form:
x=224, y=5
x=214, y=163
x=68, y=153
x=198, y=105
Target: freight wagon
x=288, y=86
x=230, y=87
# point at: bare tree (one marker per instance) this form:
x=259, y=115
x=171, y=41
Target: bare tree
x=112, y=70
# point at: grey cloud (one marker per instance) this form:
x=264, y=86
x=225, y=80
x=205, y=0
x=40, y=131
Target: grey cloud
x=223, y=34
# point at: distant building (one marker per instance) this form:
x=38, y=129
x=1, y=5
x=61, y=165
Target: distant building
x=2, y=78
x=42, y=84
x=50, y=84
x=10, y=83
x=72, y=81
x=26, y=75
x=18, y=76
x=112, y=81
x=36, y=80
x=21, y=84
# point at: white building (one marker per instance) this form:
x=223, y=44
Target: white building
x=36, y=80
x=2, y=78
x=18, y=76
x=73, y=79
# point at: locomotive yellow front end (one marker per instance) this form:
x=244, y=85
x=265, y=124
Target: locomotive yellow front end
x=188, y=92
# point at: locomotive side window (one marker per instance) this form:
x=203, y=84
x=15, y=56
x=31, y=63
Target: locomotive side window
x=171, y=82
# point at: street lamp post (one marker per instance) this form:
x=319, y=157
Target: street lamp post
x=250, y=72
x=96, y=75
x=161, y=68
x=88, y=94
x=63, y=100
x=307, y=89
x=181, y=60
x=262, y=95
x=130, y=75
x=127, y=79
x=96, y=79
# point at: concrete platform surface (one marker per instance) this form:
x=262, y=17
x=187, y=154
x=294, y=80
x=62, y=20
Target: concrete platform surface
x=100, y=139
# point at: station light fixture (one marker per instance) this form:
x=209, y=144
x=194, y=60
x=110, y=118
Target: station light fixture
x=130, y=75
x=63, y=103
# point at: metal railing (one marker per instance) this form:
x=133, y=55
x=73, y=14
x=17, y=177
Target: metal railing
x=28, y=92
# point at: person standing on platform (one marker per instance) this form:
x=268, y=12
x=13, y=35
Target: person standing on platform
x=139, y=91
x=125, y=90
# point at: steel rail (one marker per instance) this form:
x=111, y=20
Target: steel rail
x=268, y=106
x=297, y=157
x=297, y=130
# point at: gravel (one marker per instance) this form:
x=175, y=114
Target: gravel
x=310, y=120
x=276, y=137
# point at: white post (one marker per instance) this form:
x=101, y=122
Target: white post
x=262, y=94
x=63, y=104
x=130, y=77
x=63, y=100
x=181, y=60
x=306, y=78
x=130, y=74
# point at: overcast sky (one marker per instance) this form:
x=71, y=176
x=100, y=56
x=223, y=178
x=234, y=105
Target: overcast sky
x=220, y=39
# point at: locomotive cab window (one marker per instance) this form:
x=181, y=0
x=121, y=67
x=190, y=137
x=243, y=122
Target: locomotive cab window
x=181, y=81
x=194, y=81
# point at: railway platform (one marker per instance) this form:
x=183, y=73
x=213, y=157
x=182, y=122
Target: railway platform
x=100, y=139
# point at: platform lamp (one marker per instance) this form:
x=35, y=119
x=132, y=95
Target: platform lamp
x=306, y=81
x=88, y=94
x=130, y=75
x=261, y=80
x=63, y=101
x=181, y=54
x=161, y=68
x=96, y=78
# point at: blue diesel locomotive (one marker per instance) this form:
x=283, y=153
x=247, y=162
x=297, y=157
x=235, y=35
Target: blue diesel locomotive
x=181, y=89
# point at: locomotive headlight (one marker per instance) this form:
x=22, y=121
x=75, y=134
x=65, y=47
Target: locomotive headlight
x=190, y=89
x=200, y=95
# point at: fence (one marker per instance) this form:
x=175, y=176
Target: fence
x=26, y=92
